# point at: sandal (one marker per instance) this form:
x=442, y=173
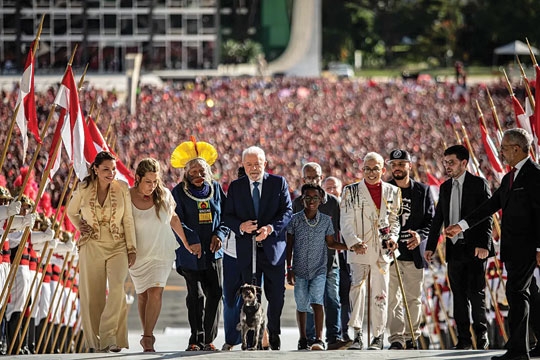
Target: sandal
x=147, y=343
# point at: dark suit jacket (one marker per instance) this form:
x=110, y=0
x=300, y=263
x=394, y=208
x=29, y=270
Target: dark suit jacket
x=422, y=211
x=520, y=206
x=275, y=209
x=475, y=191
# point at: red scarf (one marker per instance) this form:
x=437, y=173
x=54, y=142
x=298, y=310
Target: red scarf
x=376, y=193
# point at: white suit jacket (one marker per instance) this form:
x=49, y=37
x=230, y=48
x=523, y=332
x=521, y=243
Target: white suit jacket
x=362, y=222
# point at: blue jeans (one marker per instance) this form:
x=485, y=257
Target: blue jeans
x=232, y=280
x=332, y=309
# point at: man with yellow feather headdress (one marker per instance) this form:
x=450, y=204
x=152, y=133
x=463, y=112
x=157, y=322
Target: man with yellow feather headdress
x=199, y=203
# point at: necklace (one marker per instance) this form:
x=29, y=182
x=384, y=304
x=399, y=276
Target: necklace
x=317, y=218
x=189, y=195
x=143, y=196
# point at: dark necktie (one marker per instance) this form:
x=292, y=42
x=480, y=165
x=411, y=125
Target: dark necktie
x=256, y=197
x=511, y=179
x=455, y=206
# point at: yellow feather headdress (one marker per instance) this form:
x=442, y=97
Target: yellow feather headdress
x=193, y=149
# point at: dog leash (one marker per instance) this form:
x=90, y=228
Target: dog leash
x=254, y=261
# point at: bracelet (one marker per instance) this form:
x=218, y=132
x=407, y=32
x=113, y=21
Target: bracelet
x=289, y=268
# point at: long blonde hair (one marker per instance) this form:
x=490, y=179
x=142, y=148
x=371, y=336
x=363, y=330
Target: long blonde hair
x=158, y=195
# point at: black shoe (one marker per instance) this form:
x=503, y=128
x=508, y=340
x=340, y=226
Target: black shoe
x=275, y=342
x=339, y=344
x=396, y=345
x=510, y=356
x=410, y=346
x=535, y=353
x=318, y=345
x=482, y=344
x=462, y=346
x=377, y=343
x=303, y=344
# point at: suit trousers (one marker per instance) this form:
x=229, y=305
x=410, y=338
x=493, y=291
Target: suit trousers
x=203, y=302
x=232, y=302
x=104, y=313
x=520, y=298
x=468, y=282
x=272, y=278
x=398, y=324
x=378, y=296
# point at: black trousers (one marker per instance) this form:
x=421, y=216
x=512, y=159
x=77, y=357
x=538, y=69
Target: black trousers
x=521, y=293
x=203, y=301
x=468, y=282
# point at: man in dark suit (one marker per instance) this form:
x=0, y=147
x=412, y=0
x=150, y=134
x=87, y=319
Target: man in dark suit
x=258, y=209
x=519, y=198
x=417, y=213
x=465, y=254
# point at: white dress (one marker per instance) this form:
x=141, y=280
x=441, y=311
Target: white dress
x=156, y=244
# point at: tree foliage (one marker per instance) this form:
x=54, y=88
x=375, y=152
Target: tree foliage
x=393, y=32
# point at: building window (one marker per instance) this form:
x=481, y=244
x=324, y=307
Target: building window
x=192, y=27
x=109, y=23
x=60, y=26
x=126, y=26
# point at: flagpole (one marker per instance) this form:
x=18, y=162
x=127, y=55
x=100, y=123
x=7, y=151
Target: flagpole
x=438, y=292
x=64, y=306
x=527, y=86
x=16, y=111
x=13, y=269
x=495, y=116
x=58, y=286
x=38, y=289
x=26, y=302
x=8, y=137
x=513, y=96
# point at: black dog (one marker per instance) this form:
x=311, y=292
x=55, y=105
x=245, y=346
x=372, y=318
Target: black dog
x=251, y=316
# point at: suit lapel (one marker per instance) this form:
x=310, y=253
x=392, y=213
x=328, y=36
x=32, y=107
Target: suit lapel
x=382, y=211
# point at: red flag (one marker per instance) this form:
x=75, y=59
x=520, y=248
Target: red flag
x=27, y=117
x=101, y=145
x=75, y=134
x=491, y=152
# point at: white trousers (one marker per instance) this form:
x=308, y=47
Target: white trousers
x=378, y=310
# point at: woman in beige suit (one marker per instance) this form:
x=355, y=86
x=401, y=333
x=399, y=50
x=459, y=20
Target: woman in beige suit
x=101, y=210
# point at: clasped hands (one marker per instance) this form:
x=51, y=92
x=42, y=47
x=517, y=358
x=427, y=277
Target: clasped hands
x=251, y=227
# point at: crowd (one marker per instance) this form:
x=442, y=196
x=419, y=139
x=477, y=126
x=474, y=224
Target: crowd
x=348, y=127
x=294, y=120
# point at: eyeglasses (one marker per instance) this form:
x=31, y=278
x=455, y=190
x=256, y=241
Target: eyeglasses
x=312, y=198
x=449, y=162
x=371, y=170
x=506, y=145
x=312, y=178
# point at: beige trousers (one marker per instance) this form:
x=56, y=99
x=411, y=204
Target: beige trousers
x=379, y=296
x=398, y=324
x=104, y=311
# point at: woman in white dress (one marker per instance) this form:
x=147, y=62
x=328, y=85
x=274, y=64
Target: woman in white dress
x=155, y=219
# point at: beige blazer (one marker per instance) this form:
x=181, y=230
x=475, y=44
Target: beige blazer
x=361, y=221
x=83, y=206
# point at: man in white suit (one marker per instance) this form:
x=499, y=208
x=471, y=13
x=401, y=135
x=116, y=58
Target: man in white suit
x=370, y=227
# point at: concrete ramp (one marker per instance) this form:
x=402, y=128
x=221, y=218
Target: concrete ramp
x=302, y=57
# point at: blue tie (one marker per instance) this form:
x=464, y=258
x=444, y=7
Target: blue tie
x=256, y=197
